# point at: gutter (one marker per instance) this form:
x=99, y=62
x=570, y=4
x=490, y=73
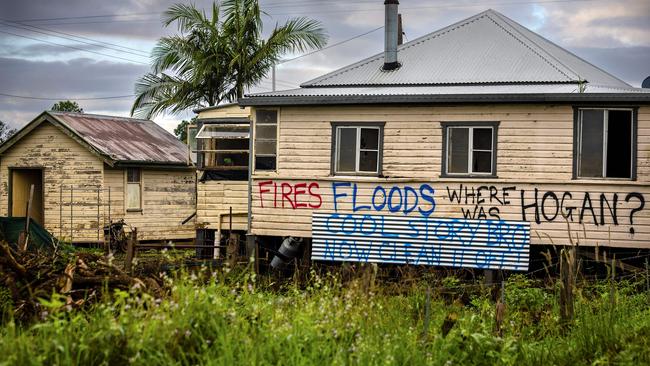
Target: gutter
x=203, y=109
x=225, y=120
x=447, y=99
x=151, y=164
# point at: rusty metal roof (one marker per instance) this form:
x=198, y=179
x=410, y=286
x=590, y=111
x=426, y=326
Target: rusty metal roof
x=126, y=140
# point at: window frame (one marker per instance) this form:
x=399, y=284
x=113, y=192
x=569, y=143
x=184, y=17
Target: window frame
x=577, y=141
x=192, y=153
x=255, y=139
x=202, y=151
x=493, y=125
x=126, y=189
x=335, y=151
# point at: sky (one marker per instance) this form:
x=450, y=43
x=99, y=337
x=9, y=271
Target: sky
x=86, y=49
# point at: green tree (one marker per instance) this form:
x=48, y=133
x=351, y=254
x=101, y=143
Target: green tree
x=181, y=130
x=67, y=106
x=5, y=132
x=216, y=57
x=252, y=55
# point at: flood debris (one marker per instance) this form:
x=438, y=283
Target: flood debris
x=30, y=277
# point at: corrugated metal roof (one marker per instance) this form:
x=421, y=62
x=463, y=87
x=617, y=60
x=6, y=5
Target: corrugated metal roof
x=453, y=90
x=585, y=70
x=485, y=48
x=127, y=140
x=511, y=93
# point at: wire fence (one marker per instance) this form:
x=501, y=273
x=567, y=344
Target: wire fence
x=83, y=213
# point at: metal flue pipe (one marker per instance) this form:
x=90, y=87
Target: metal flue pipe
x=390, y=35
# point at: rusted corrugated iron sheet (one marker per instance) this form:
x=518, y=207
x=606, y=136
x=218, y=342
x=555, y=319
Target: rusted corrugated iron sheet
x=486, y=244
x=126, y=139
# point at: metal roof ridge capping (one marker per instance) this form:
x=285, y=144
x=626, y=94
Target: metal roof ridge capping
x=487, y=53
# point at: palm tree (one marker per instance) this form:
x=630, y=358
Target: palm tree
x=253, y=56
x=217, y=57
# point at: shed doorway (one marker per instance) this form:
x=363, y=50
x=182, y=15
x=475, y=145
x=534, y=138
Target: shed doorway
x=21, y=181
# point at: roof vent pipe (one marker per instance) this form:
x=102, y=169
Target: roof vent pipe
x=390, y=32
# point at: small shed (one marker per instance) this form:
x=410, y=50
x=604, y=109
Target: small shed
x=88, y=170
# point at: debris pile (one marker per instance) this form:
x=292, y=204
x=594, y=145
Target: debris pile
x=26, y=277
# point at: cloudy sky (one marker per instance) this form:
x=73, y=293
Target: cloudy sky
x=85, y=49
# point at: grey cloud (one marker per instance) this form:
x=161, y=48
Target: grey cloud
x=604, y=46
x=638, y=21
x=79, y=78
x=145, y=26
x=630, y=64
x=38, y=49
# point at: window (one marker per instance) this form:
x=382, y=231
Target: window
x=192, y=143
x=469, y=148
x=266, y=134
x=223, y=146
x=133, y=189
x=605, y=143
x=357, y=148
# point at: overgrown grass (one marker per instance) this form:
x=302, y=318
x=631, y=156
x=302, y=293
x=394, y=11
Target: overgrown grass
x=218, y=318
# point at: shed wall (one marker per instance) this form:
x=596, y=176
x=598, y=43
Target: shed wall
x=66, y=164
x=168, y=198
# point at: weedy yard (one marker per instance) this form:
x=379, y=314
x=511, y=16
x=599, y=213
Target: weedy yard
x=343, y=316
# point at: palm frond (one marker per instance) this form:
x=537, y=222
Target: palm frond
x=187, y=17
x=298, y=34
x=217, y=55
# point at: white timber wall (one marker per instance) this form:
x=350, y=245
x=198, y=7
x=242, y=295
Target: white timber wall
x=167, y=199
x=534, y=152
x=65, y=163
x=215, y=198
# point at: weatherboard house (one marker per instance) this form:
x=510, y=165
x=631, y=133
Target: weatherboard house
x=460, y=148
x=88, y=170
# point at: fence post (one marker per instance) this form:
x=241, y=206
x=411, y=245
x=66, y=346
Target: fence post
x=647, y=278
x=500, y=310
x=98, y=208
x=427, y=313
x=71, y=214
x=61, y=212
x=612, y=293
x=130, y=250
x=567, y=277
